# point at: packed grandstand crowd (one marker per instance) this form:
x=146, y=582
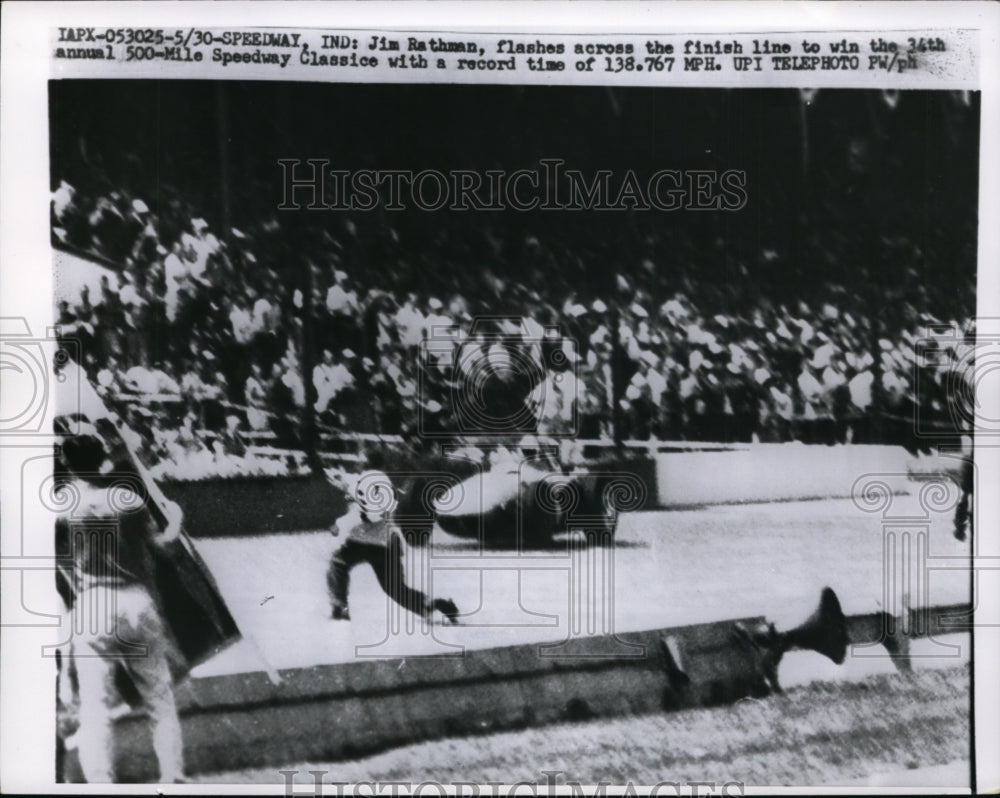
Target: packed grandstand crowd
x=197, y=335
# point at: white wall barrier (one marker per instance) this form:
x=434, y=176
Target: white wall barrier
x=772, y=472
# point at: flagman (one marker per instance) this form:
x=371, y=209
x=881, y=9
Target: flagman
x=117, y=629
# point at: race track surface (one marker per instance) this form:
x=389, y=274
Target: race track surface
x=666, y=568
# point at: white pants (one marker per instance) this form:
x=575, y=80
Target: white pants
x=123, y=627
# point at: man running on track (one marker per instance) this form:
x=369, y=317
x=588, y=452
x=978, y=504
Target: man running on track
x=369, y=536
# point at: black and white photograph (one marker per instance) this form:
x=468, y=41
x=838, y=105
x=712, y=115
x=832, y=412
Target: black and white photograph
x=462, y=435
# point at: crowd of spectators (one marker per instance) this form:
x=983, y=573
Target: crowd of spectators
x=199, y=334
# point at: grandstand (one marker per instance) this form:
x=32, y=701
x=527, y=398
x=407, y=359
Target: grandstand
x=224, y=324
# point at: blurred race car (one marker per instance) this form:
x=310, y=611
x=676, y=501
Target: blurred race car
x=521, y=506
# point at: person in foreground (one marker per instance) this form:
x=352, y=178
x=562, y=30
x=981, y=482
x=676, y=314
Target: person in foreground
x=117, y=631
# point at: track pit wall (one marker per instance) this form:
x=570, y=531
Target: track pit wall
x=676, y=475
x=771, y=472
x=354, y=709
